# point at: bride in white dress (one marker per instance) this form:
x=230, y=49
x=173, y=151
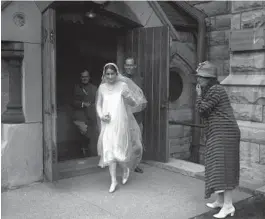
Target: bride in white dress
x=120, y=137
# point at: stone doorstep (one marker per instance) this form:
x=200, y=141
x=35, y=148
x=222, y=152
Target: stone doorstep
x=197, y=171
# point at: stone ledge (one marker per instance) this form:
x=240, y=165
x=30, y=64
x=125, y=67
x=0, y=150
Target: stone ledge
x=197, y=171
x=253, y=80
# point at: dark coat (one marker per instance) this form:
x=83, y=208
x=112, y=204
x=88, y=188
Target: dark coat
x=222, y=141
x=85, y=93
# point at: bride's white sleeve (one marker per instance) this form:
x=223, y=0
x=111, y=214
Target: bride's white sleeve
x=99, y=100
x=128, y=95
x=136, y=95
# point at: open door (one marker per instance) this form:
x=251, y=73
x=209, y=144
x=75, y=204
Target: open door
x=150, y=48
x=49, y=94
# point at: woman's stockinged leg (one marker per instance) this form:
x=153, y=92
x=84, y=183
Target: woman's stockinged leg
x=112, y=170
x=126, y=172
x=228, y=199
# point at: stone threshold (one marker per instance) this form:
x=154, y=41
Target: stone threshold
x=197, y=171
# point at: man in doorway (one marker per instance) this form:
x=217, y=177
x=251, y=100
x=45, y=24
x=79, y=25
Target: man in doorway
x=85, y=113
x=129, y=72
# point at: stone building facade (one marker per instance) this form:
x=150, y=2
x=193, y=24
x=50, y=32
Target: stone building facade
x=236, y=37
x=242, y=72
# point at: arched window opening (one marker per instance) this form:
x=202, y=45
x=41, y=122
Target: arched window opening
x=175, y=86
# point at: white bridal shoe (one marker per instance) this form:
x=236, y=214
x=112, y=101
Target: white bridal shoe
x=125, y=176
x=214, y=205
x=113, y=187
x=224, y=212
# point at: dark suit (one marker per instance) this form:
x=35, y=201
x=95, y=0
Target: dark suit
x=86, y=115
x=139, y=116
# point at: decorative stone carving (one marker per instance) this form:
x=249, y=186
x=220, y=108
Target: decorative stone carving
x=19, y=19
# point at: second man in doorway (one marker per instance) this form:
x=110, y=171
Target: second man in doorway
x=129, y=72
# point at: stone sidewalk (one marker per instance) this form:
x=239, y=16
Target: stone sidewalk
x=157, y=194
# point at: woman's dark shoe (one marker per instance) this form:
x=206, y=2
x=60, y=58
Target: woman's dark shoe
x=138, y=170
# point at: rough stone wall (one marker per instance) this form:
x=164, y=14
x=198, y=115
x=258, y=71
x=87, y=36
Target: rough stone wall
x=218, y=23
x=243, y=75
x=246, y=88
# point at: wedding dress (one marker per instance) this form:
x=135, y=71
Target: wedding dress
x=120, y=140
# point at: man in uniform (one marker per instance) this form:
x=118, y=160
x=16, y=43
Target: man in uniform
x=85, y=113
x=129, y=72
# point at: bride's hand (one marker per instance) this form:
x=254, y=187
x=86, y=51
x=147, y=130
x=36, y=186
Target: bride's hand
x=106, y=118
x=125, y=92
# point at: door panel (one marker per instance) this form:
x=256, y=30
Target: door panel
x=150, y=48
x=49, y=95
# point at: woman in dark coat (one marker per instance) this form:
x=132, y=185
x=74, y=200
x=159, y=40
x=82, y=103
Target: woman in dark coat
x=222, y=139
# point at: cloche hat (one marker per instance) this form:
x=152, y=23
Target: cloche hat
x=207, y=70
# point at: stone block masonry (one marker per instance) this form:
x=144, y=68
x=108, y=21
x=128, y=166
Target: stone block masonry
x=218, y=24
x=243, y=75
x=246, y=88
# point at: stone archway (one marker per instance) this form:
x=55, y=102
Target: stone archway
x=181, y=108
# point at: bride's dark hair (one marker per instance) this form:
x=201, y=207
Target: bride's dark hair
x=109, y=66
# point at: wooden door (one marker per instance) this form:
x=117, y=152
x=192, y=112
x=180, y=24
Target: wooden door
x=49, y=95
x=150, y=48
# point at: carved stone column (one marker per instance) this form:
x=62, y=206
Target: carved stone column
x=12, y=55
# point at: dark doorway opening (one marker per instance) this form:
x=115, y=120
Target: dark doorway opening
x=80, y=44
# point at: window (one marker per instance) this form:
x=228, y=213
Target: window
x=175, y=86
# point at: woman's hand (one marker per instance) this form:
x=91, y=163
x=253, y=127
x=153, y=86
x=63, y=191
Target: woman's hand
x=106, y=118
x=198, y=90
x=125, y=93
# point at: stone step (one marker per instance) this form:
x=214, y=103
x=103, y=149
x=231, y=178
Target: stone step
x=197, y=171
